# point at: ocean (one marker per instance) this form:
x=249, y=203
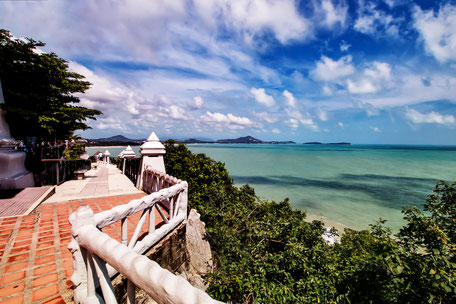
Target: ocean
x=350, y=186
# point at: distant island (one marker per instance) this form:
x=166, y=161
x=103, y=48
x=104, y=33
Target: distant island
x=120, y=140
x=319, y=143
x=240, y=140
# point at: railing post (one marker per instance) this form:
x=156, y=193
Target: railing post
x=127, y=153
x=81, y=217
x=124, y=231
x=184, y=201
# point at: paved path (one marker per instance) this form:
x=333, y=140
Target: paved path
x=98, y=184
x=22, y=201
x=104, y=181
x=36, y=265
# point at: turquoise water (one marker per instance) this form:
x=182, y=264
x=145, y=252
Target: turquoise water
x=114, y=151
x=352, y=185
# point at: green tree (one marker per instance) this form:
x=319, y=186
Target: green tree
x=39, y=91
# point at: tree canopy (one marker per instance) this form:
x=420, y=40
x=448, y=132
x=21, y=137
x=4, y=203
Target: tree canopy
x=265, y=252
x=39, y=91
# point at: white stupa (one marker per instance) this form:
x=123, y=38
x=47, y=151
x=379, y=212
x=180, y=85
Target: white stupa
x=128, y=153
x=152, y=146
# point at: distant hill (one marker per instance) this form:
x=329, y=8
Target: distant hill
x=250, y=140
x=192, y=141
x=116, y=140
x=319, y=143
x=240, y=140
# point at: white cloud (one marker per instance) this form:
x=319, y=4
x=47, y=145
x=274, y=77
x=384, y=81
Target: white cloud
x=376, y=77
x=370, y=110
x=268, y=117
x=431, y=117
x=276, y=131
x=228, y=120
x=198, y=101
x=365, y=24
x=297, y=76
x=363, y=86
x=252, y=18
x=263, y=98
x=103, y=90
x=289, y=98
x=292, y=123
x=376, y=22
x=379, y=71
x=331, y=70
x=327, y=90
x=110, y=123
x=375, y=129
x=391, y=3
x=175, y=112
x=408, y=88
x=322, y=115
x=344, y=46
x=333, y=14
x=341, y=124
x=296, y=118
x=438, y=31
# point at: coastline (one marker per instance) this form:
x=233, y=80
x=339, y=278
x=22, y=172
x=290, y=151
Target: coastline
x=329, y=223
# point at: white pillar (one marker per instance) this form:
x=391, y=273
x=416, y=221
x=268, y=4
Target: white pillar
x=107, y=156
x=127, y=153
x=152, y=152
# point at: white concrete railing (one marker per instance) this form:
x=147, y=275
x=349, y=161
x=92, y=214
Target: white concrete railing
x=155, y=180
x=97, y=257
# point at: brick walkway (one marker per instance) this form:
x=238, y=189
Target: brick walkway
x=35, y=263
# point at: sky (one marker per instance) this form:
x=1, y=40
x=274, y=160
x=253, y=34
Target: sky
x=373, y=72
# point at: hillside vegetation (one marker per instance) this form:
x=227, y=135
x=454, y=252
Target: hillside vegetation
x=266, y=253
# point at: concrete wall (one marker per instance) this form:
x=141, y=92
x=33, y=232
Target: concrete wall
x=170, y=253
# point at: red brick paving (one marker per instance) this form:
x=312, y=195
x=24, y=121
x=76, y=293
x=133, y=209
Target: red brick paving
x=35, y=264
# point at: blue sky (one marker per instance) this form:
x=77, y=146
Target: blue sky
x=359, y=71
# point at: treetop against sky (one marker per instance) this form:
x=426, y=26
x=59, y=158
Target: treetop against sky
x=360, y=71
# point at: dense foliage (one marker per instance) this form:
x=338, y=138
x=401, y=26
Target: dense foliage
x=74, y=151
x=266, y=253
x=39, y=91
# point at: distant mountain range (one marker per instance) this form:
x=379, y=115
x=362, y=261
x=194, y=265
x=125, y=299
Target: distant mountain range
x=319, y=143
x=119, y=140
x=240, y=140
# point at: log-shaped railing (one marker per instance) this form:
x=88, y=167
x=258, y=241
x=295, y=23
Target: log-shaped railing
x=97, y=256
